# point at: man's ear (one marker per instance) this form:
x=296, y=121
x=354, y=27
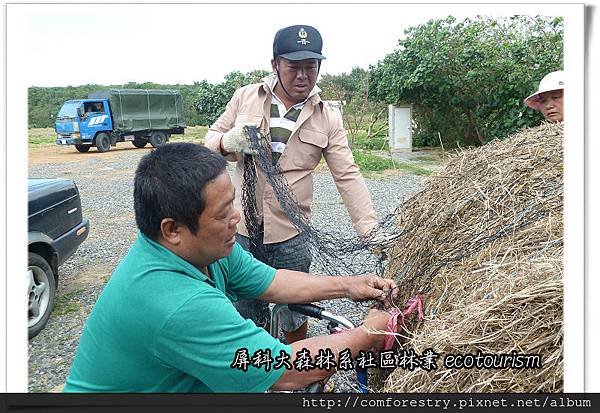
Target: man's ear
x=274, y=65
x=170, y=231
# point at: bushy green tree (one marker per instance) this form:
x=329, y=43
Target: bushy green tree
x=44, y=102
x=344, y=86
x=467, y=80
x=210, y=99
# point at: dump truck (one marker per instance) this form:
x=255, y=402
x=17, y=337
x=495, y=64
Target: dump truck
x=106, y=117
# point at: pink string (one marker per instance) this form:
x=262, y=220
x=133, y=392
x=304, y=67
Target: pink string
x=415, y=303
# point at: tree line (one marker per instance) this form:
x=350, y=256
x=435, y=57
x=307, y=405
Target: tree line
x=465, y=79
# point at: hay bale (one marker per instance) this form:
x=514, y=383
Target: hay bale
x=484, y=240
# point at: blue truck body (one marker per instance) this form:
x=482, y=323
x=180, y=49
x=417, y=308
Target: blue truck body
x=117, y=115
x=74, y=126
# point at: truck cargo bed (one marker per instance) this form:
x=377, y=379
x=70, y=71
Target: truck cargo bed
x=141, y=109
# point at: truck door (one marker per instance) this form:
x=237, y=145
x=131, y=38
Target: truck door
x=96, y=117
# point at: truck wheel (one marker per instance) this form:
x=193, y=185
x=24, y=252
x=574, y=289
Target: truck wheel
x=157, y=138
x=83, y=148
x=40, y=293
x=138, y=143
x=103, y=142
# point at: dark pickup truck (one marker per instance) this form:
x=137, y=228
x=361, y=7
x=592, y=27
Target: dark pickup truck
x=56, y=229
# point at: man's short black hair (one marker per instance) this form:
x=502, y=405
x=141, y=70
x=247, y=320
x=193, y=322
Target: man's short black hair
x=170, y=182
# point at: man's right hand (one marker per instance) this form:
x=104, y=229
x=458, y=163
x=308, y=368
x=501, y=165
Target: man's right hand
x=375, y=323
x=237, y=141
x=371, y=335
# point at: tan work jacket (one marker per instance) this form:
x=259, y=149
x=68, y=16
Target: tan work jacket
x=318, y=130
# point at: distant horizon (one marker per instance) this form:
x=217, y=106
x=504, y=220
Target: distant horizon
x=149, y=81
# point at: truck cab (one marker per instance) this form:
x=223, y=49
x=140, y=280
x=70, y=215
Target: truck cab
x=80, y=122
x=139, y=116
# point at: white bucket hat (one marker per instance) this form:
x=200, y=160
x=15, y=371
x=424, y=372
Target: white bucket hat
x=552, y=81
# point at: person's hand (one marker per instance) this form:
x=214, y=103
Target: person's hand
x=237, y=141
x=375, y=323
x=371, y=287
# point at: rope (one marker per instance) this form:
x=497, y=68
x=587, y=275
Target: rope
x=148, y=99
x=121, y=109
x=176, y=112
x=397, y=317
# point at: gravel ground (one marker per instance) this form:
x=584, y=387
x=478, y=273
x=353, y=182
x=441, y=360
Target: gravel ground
x=105, y=185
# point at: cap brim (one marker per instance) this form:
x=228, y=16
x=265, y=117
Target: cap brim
x=532, y=101
x=302, y=55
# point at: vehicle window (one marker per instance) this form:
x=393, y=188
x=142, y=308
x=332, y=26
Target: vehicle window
x=69, y=109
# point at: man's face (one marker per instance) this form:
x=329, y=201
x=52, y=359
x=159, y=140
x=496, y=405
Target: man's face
x=217, y=225
x=551, y=105
x=297, y=77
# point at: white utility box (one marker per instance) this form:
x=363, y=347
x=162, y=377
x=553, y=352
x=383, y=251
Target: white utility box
x=400, y=128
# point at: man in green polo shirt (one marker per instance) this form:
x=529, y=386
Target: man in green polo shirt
x=165, y=321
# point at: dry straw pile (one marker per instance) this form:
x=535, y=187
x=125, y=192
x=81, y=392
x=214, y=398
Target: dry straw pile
x=484, y=240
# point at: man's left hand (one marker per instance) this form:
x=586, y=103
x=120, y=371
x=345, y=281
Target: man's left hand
x=371, y=287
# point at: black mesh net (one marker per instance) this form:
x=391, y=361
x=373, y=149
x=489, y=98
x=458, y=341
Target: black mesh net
x=333, y=252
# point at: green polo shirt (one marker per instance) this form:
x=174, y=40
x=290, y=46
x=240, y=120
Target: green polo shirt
x=161, y=325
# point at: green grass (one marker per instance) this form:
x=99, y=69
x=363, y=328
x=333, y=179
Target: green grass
x=361, y=141
x=66, y=304
x=41, y=137
x=368, y=162
x=193, y=134
x=413, y=169
x=47, y=136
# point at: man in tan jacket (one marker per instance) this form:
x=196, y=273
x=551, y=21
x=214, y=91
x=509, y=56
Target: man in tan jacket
x=287, y=109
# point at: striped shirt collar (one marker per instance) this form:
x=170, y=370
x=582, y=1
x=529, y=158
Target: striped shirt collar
x=299, y=105
x=271, y=80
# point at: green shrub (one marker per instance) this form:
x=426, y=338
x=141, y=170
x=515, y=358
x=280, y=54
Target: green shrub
x=467, y=79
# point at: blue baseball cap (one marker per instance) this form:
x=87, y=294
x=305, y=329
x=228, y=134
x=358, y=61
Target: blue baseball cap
x=298, y=42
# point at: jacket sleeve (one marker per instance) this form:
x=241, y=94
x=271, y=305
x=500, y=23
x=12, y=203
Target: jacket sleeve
x=348, y=179
x=212, y=139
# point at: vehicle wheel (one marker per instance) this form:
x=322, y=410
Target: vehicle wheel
x=83, y=148
x=103, y=142
x=138, y=143
x=40, y=293
x=157, y=138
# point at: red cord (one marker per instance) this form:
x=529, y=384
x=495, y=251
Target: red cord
x=415, y=303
